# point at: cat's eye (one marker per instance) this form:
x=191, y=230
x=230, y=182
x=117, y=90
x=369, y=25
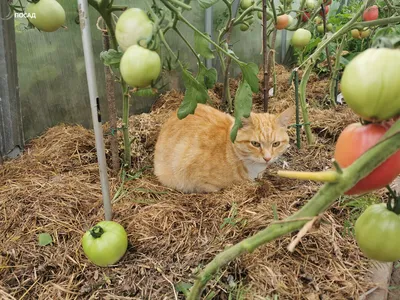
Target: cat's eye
x=255, y=144
x=276, y=144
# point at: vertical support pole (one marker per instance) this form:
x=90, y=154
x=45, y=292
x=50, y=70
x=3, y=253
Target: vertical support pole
x=283, y=45
x=11, y=129
x=208, y=26
x=94, y=104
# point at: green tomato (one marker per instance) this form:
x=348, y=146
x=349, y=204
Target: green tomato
x=377, y=233
x=245, y=4
x=318, y=20
x=301, y=38
x=371, y=84
x=49, y=15
x=133, y=28
x=311, y=4
x=329, y=27
x=105, y=243
x=140, y=66
x=320, y=28
x=244, y=27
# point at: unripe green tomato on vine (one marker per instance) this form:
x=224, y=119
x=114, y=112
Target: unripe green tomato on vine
x=377, y=233
x=371, y=84
x=133, y=28
x=49, y=15
x=301, y=38
x=244, y=27
x=140, y=66
x=245, y=4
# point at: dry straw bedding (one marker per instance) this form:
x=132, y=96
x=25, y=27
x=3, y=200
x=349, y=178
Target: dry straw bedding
x=54, y=188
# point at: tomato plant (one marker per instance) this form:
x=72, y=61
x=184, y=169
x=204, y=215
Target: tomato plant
x=49, y=15
x=371, y=13
x=371, y=84
x=354, y=140
x=105, y=243
x=377, y=233
x=133, y=28
x=301, y=38
x=140, y=66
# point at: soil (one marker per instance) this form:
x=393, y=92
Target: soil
x=54, y=188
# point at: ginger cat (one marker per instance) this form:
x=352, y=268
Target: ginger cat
x=196, y=154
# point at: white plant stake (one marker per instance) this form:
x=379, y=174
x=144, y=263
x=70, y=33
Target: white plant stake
x=94, y=103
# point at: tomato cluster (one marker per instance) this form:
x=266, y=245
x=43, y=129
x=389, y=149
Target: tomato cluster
x=139, y=66
x=371, y=87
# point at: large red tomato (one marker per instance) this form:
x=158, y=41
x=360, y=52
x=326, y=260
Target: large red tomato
x=352, y=143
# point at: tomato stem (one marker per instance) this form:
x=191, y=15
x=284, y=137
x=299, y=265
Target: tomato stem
x=393, y=203
x=96, y=231
x=325, y=176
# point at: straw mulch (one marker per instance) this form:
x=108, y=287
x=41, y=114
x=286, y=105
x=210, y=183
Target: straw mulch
x=54, y=188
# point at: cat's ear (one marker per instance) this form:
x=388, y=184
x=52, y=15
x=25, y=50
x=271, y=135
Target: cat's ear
x=283, y=119
x=246, y=122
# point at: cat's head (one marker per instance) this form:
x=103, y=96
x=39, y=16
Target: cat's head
x=263, y=137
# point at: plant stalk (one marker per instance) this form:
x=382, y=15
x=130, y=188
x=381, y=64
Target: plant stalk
x=334, y=75
x=112, y=110
x=303, y=104
x=321, y=201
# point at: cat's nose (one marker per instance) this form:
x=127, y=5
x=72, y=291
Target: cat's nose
x=267, y=158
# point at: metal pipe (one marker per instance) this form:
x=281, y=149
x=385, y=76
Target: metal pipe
x=208, y=26
x=94, y=104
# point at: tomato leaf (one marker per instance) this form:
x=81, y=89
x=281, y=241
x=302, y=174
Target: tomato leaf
x=210, y=78
x=243, y=103
x=207, y=3
x=45, y=239
x=250, y=71
x=195, y=93
x=111, y=57
x=207, y=77
x=201, y=46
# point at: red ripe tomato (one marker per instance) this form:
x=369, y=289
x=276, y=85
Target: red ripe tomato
x=371, y=13
x=306, y=16
x=327, y=2
x=282, y=22
x=326, y=8
x=352, y=143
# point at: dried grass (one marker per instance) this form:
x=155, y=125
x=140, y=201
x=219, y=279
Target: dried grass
x=54, y=187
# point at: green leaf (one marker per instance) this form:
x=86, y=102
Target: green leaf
x=207, y=3
x=183, y=287
x=207, y=77
x=201, y=46
x=243, y=104
x=210, y=78
x=250, y=71
x=189, y=103
x=45, y=239
x=111, y=57
x=195, y=93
